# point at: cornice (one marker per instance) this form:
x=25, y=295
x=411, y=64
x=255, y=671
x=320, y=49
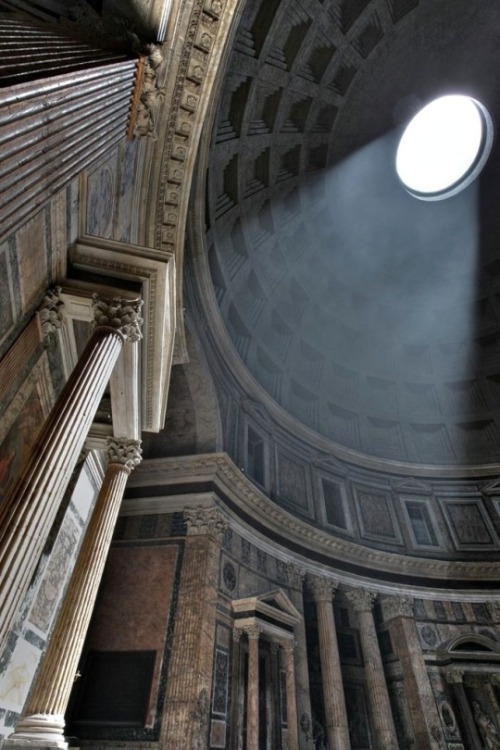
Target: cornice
x=186, y=77
x=220, y=470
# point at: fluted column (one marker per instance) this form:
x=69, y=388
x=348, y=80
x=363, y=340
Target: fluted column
x=296, y=579
x=43, y=717
x=253, y=632
x=31, y=504
x=288, y=648
x=398, y=612
x=337, y=729
x=186, y=711
x=378, y=696
x=63, y=103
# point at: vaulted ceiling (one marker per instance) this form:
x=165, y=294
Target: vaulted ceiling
x=371, y=316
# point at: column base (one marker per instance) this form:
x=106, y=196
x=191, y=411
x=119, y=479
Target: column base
x=37, y=732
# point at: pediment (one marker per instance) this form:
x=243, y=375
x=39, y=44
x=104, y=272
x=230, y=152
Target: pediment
x=413, y=485
x=273, y=604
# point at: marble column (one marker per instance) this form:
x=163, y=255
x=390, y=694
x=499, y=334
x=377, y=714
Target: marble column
x=337, y=729
x=237, y=692
x=378, y=697
x=253, y=632
x=427, y=728
x=71, y=97
x=288, y=649
x=186, y=711
x=274, y=704
x=30, y=506
x=42, y=724
x=296, y=579
x=454, y=678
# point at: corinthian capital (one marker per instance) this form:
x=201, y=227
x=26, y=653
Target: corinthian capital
x=124, y=315
x=295, y=576
x=50, y=313
x=397, y=606
x=323, y=589
x=124, y=451
x=205, y=521
x=361, y=600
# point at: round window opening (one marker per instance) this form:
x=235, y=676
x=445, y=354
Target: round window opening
x=444, y=147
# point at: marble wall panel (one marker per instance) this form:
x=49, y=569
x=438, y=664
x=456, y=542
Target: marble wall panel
x=468, y=523
x=376, y=514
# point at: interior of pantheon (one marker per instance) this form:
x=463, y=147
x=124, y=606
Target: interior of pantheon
x=249, y=382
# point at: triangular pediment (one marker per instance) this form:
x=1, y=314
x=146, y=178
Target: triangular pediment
x=493, y=488
x=413, y=485
x=274, y=604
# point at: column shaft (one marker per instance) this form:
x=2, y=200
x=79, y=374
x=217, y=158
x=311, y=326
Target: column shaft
x=291, y=699
x=62, y=104
x=43, y=717
x=253, y=692
x=296, y=577
x=337, y=729
x=473, y=741
x=378, y=696
x=30, y=506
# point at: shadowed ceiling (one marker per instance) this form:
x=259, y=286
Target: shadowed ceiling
x=372, y=317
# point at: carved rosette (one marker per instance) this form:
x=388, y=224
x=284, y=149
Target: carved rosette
x=205, y=521
x=397, y=606
x=361, y=600
x=295, y=576
x=124, y=451
x=124, y=315
x=323, y=589
x=51, y=311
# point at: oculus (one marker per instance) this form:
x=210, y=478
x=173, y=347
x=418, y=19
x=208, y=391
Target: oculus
x=444, y=147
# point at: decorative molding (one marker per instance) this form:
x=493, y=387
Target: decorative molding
x=155, y=271
x=124, y=451
x=150, y=96
x=51, y=312
x=220, y=469
x=123, y=315
x=454, y=676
